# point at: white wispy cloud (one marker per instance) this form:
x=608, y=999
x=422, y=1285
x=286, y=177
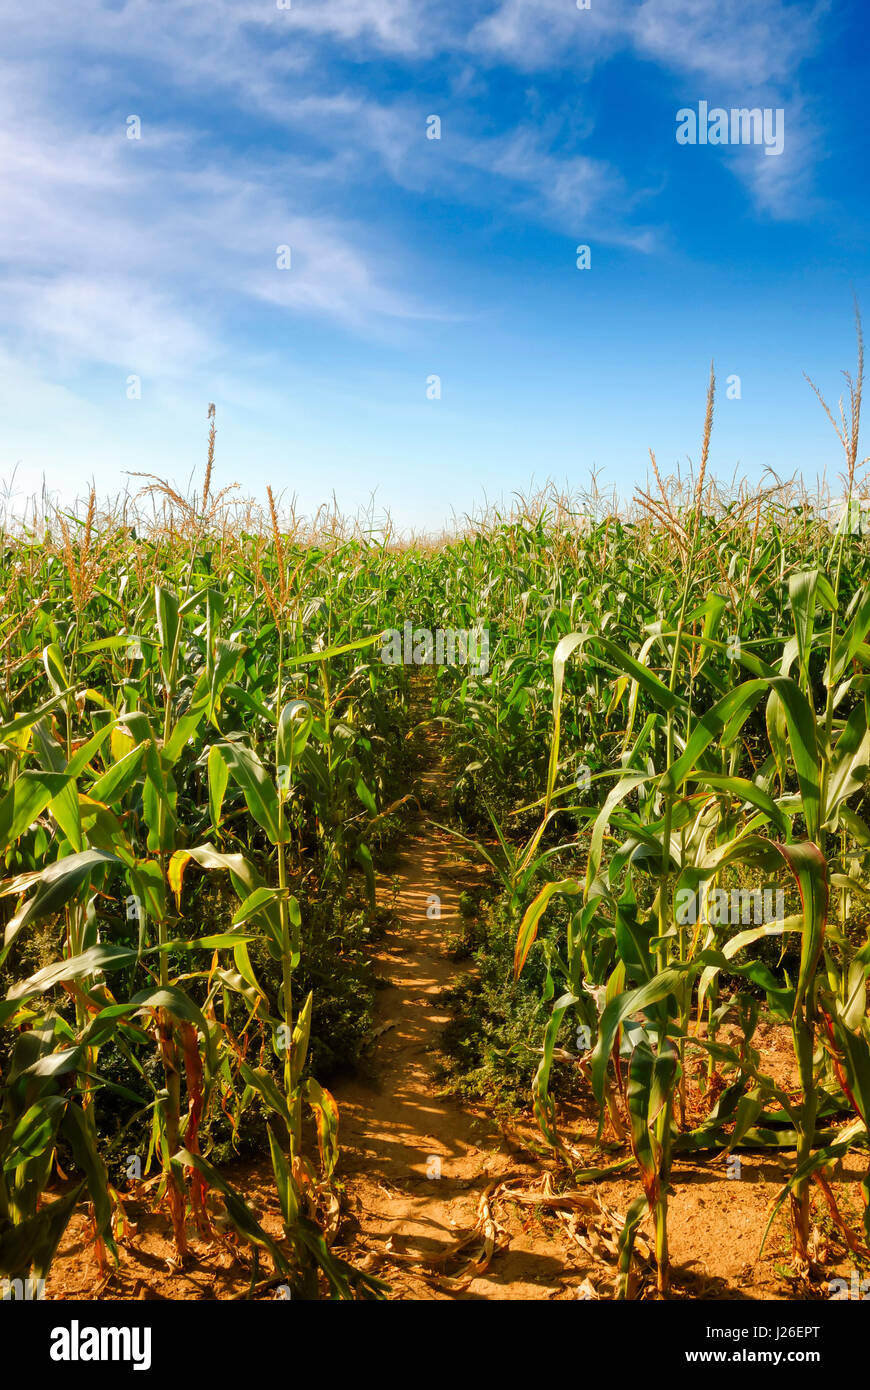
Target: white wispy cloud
x=574, y=194
x=751, y=41
x=745, y=53
x=747, y=43
x=134, y=252
x=532, y=35
x=402, y=26
x=123, y=251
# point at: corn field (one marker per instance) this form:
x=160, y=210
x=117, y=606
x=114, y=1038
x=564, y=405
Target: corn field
x=203, y=749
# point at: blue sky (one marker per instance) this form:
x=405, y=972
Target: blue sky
x=410, y=257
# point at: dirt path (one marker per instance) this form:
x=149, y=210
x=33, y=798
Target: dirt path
x=413, y=1165
x=416, y=1164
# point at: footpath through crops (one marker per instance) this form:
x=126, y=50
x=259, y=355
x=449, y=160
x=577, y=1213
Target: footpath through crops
x=659, y=730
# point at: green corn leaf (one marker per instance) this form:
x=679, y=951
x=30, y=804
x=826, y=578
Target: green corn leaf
x=168, y=621
x=32, y=1243
x=260, y=1080
x=326, y=1120
x=532, y=918
x=246, y=770
x=288, y=1192
x=55, y=886
x=237, y=1208
x=30, y=794
x=218, y=781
